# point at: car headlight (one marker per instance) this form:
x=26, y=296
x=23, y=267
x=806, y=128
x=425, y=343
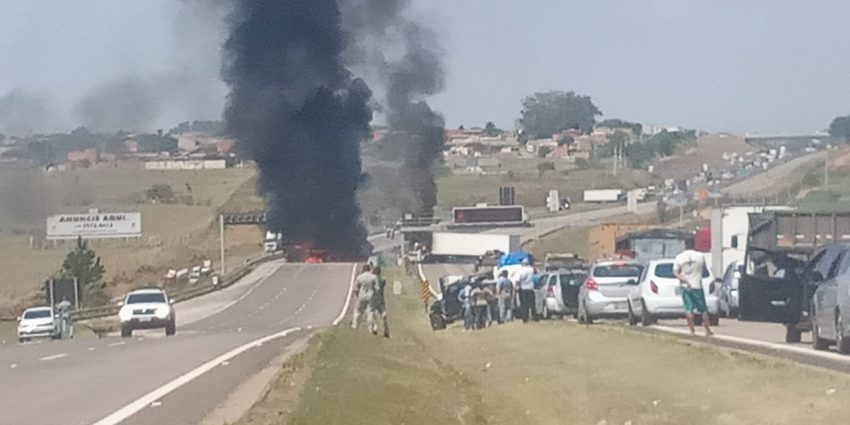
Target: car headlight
x=125, y=314
x=162, y=312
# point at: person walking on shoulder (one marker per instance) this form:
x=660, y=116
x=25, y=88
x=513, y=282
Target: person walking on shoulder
x=364, y=288
x=378, y=306
x=688, y=267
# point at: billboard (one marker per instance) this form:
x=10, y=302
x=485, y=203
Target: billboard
x=94, y=225
x=502, y=215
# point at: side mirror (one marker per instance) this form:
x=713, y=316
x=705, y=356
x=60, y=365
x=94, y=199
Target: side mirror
x=735, y=241
x=120, y=303
x=171, y=301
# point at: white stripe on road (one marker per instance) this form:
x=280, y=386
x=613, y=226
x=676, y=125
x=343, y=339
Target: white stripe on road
x=347, y=297
x=763, y=344
x=53, y=357
x=157, y=394
x=115, y=344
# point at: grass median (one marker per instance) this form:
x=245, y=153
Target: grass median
x=551, y=372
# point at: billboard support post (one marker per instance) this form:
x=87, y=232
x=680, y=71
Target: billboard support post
x=221, y=243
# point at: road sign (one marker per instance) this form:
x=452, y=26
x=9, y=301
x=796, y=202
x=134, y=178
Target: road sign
x=94, y=225
x=501, y=215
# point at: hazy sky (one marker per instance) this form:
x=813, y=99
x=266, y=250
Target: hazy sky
x=752, y=65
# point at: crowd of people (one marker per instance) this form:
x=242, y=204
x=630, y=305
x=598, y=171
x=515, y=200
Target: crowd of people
x=483, y=306
x=369, y=295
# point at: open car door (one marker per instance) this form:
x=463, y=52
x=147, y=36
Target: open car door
x=771, y=287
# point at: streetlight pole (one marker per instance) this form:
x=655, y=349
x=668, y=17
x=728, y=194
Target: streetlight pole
x=223, y=268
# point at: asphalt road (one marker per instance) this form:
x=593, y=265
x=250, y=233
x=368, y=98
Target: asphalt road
x=221, y=340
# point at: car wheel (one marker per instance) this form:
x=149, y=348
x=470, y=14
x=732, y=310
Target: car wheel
x=792, y=334
x=645, y=318
x=714, y=320
x=633, y=320
x=818, y=343
x=170, y=329
x=841, y=342
x=22, y=340
x=126, y=331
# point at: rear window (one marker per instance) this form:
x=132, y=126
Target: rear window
x=665, y=270
x=146, y=298
x=37, y=314
x=572, y=279
x=618, y=270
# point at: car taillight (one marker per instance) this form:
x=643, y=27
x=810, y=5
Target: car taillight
x=550, y=292
x=591, y=285
x=711, y=288
x=653, y=287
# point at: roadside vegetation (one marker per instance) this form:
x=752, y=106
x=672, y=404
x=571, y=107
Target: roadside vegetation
x=550, y=372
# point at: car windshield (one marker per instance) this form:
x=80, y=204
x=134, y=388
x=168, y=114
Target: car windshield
x=618, y=270
x=665, y=270
x=146, y=298
x=37, y=314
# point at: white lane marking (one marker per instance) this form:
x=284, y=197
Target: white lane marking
x=157, y=394
x=763, y=344
x=156, y=404
x=115, y=344
x=347, y=297
x=53, y=357
x=13, y=365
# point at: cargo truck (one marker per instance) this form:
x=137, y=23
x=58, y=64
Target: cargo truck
x=782, y=265
x=469, y=247
x=603, y=195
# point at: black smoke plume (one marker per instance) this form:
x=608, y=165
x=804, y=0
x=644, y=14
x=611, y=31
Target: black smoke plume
x=301, y=114
x=416, y=75
x=408, y=80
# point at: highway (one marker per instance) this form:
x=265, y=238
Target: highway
x=222, y=339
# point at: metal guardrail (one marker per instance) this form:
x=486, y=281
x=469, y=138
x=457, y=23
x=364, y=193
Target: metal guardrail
x=182, y=295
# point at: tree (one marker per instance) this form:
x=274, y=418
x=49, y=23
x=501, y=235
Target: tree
x=83, y=264
x=840, y=127
x=548, y=113
x=490, y=129
x=544, y=167
x=160, y=192
x=636, y=128
x=544, y=151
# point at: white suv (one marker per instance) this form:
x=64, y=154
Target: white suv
x=147, y=309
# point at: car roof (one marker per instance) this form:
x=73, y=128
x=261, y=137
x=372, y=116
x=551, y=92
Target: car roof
x=147, y=291
x=42, y=307
x=614, y=262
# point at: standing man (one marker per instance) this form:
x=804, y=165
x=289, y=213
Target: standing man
x=464, y=297
x=480, y=302
x=379, y=306
x=505, y=293
x=525, y=282
x=364, y=287
x=688, y=267
x=64, y=308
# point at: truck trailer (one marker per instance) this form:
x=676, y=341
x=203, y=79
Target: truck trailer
x=469, y=247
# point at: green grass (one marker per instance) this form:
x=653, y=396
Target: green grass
x=541, y=373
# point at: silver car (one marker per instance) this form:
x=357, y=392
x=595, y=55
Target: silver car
x=728, y=295
x=605, y=292
x=830, y=310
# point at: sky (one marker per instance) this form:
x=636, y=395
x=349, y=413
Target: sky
x=758, y=66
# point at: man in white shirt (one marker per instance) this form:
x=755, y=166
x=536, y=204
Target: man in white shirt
x=688, y=267
x=524, y=278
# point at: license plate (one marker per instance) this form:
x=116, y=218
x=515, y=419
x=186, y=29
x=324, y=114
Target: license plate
x=618, y=306
x=145, y=319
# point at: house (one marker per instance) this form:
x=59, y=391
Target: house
x=83, y=156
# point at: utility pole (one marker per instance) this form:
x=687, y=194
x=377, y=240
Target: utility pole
x=223, y=268
x=616, y=158
x=826, y=173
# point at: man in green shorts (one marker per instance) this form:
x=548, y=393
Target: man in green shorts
x=688, y=266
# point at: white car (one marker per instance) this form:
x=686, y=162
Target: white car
x=37, y=322
x=606, y=289
x=658, y=295
x=147, y=309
